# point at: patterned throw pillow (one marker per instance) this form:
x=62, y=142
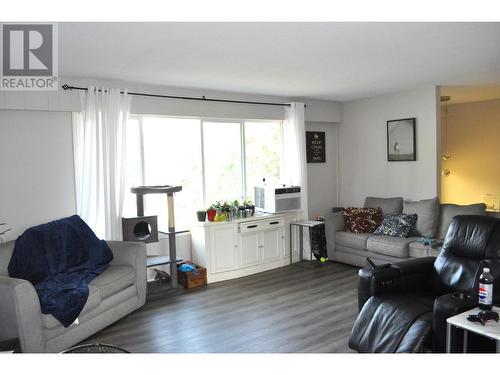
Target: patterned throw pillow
x=397, y=225
x=362, y=220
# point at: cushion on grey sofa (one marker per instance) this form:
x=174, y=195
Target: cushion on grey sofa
x=397, y=225
x=419, y=250
x=93, y=301
x=389, y=206
x=115, y=279
x=352, y=240
x=448, y=211
x=393, y=246
x=427, y=211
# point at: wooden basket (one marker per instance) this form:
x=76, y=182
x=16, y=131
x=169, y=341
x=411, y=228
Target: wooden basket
x=193, y=279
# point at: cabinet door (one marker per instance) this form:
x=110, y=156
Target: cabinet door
x=250, y=249
x=223, y=248
x=272, y=241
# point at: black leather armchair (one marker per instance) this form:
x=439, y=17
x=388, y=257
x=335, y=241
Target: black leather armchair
x=403, y=308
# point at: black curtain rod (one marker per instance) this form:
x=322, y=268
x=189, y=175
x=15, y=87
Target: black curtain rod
x=202, y=99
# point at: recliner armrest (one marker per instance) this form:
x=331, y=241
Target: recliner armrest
x=405, y=275
x=445, y=307
x=416, y=265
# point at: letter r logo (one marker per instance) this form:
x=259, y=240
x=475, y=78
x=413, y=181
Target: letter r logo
x=27, y=49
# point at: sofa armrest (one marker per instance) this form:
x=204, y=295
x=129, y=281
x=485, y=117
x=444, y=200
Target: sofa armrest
x=401, y=276
x=20, y=314
x=126, y=253
x=334, y=222
x=132, y=254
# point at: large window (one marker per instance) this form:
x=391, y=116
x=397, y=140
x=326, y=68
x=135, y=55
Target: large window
x=263, y=150
x=222, y=157
x=213, y=161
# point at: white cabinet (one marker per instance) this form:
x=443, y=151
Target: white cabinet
x=261, y=241
x=250, y=249
x=241, y=247
x=224, y=248
x=272, y=242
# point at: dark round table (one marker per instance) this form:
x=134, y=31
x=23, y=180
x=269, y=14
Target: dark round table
x=95, y=348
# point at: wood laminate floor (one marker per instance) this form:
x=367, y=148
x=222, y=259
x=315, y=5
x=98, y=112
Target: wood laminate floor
x=307, y=308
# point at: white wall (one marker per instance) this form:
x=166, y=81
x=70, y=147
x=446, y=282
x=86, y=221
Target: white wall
x=322, y=177
x=317, y=110
x=364, y=169
x=39, y=123
x=36, y=168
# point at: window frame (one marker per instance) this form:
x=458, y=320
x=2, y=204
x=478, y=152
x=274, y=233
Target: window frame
x=202, y=120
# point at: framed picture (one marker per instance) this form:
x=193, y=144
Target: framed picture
x=401, y=143
x=315, y=147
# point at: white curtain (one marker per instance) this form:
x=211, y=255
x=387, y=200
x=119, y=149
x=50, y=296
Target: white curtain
x=294, y=164
x=99, y=144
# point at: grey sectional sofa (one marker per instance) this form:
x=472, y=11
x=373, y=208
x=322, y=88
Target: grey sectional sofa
x=115, y=293
x=353, y=248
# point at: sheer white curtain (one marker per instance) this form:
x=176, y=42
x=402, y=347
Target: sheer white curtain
x=99, y=144
x=294, y=151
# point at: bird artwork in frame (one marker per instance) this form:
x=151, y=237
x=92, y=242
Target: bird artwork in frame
x=401, y=142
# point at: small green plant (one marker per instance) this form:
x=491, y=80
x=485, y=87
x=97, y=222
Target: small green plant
x=216, y=206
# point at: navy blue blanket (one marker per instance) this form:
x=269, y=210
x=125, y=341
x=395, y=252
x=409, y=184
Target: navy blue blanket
x=60, y=258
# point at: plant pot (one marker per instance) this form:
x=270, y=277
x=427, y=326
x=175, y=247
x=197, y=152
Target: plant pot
x=211, y=215
x=220, y=216
x=251, y=208
x=202, y=215
x=242, y=213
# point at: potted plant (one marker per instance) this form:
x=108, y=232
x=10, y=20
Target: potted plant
x=212, y=210
x=250, y=207
x=220, y=216
x=233, y=209
x=202, y=215
x=225, y=208
x=242, y=213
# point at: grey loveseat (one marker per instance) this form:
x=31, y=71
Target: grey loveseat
x=115, y=293
x=433, y=219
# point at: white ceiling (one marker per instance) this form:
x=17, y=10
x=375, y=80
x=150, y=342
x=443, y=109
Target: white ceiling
x=332, y=61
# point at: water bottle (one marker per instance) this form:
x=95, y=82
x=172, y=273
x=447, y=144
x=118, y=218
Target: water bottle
x=486, y=290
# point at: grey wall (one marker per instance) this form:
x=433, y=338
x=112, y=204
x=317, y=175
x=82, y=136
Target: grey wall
x=36, y=168
x=322, y=177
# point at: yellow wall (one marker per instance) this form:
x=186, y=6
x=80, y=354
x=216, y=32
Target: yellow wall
x=473, y=139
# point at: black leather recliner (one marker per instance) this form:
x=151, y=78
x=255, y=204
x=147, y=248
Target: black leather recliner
x=403, y=308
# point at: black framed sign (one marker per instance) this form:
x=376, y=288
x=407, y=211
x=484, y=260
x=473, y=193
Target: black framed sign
x=315, y=147
x=401, y=143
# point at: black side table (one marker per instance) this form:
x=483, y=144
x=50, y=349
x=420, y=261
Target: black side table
x=11, y=345
x=301, y=225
